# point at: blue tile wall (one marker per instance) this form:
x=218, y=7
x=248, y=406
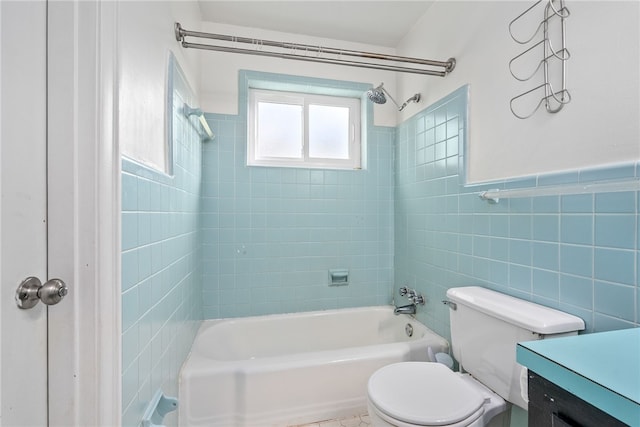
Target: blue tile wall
x=161, y=274
x=220, y=239
x=577, y=253
x=271, y=235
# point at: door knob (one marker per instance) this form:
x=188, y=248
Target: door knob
x=31, y=290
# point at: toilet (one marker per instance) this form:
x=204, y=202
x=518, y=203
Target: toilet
x=485, y=327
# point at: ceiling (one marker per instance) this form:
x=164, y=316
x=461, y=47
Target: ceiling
x=381, y=23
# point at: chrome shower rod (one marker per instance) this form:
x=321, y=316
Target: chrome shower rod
x=258, y=44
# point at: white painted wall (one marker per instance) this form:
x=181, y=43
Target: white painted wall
x=599, y=127
x=145, y=32
x=219, y=84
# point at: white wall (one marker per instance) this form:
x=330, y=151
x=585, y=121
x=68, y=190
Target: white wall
x=219, y=75
x=145, y=33
x=599, y=127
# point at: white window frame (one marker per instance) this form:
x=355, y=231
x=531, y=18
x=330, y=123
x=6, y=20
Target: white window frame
x=304, y=99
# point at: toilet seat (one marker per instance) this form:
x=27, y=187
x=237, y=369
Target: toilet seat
x=424, y=394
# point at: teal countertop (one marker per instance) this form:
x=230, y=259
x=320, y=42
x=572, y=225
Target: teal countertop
x=602, y=369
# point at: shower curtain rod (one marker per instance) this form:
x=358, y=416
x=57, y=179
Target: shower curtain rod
x=448, y=65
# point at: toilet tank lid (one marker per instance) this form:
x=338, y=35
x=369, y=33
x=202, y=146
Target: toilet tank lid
x=525, y=314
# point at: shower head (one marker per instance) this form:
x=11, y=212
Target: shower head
x=414, y=98
x=379, y=96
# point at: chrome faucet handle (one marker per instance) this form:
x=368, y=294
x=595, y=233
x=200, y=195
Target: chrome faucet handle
x=418, y=299
x=403, y=291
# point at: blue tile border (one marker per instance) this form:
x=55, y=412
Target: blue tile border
x=593, y=175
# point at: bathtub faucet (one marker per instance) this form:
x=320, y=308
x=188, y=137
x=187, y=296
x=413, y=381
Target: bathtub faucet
x=405, y=309
x=415, y=299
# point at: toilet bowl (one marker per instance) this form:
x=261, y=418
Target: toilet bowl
x=486, y=327
x=412, y=394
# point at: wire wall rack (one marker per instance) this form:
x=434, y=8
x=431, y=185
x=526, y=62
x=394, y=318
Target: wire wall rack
x=553, y=62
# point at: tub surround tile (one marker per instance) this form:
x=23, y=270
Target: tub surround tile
x=546, y=227
x=294, y=224
x=520, y=226
x=546, y=255
x=546, y=284
x=575, y=252
x=546, y=204
x=608, y=173
x=615, y=300
x=577, y=203
x=576, y=229
x=576, y=260
x=560, y=178
x=613, y=231
x=620, y=202
x=576, y=290
x=520, y=252
x=219, y=239
x=614, y=265
x=161, y=280
x=604, y=323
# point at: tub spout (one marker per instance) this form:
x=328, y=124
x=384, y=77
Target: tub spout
x=405, y=309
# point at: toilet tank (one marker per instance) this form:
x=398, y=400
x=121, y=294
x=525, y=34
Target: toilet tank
x=486, y=326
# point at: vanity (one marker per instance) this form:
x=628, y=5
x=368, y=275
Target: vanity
x=584, y=380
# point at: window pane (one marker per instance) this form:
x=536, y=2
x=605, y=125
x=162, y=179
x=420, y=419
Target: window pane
x=328, y=132
x=279, y=130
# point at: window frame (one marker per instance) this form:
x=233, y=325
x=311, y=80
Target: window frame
x=305, y=99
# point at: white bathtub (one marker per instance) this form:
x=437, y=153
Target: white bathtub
x=290, y=369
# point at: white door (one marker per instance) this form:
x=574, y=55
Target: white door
x=83, y=237
x=59, y=205
x=23, y=210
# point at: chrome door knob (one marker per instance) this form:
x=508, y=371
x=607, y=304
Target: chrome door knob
x=31, y=290
x=52, y=291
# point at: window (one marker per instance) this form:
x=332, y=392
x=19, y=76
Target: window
x=303, y=130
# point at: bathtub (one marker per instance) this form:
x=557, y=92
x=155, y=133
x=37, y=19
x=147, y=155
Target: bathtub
x=288, y=369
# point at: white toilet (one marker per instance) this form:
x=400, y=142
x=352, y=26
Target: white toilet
x=485, y=328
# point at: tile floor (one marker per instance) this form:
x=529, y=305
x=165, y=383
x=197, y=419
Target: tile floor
x=356, y=421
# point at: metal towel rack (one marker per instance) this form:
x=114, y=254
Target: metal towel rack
x=322, y=54
x=553, y=100
x=494, y=196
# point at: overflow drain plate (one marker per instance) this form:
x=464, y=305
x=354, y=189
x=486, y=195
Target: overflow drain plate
x=408, y=330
